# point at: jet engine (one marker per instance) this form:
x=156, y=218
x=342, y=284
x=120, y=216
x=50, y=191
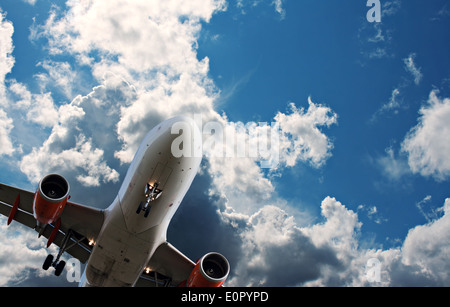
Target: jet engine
x=210, y=271
x=50, y=198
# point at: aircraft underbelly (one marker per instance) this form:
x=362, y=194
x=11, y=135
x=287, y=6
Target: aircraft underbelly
x=119, y=257
x=128, y=239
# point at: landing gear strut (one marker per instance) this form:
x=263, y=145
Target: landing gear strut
x=151, y=193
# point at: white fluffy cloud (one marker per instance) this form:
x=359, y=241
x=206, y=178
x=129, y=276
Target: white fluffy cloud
x=301, y=137
x=83, y=130
x=241, y=180
x=428, y=143
x=6, y=64
x=162, y=65
x=167, y=77
x=59, y=76
x=6, y=125
x=275, y=251
x=160, y=36
x=20, y=251
x=6, y=49
x=428, y=247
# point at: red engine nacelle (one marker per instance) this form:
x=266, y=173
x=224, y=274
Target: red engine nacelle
x=210, y=271
x=50, y=198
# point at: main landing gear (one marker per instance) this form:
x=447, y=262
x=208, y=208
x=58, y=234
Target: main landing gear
x=57, y=264
x=151, y=193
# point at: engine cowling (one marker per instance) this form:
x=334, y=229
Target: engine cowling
x=210, y=271
x=50, y=198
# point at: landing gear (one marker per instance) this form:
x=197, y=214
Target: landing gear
x=151, y=193
x=48, y=262
x=143, y=205
x=57, y=264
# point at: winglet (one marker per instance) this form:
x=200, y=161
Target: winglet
x=14, y=209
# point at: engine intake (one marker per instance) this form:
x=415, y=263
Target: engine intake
x=210, y=271
x=50, y=198
x=54, y=188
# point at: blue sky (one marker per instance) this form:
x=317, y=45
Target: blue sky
x=324, y=51
x=362, y=108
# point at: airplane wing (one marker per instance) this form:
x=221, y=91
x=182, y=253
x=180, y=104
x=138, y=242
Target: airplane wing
x=84, y=222
x=167, y=267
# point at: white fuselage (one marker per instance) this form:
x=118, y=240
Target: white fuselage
x=127, y=239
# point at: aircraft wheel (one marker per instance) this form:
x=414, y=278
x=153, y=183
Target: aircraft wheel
x=147, y=211
x=59, y=268
x=141, y=205
x=48, y=262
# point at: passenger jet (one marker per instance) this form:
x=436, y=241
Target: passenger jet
x=125, y=244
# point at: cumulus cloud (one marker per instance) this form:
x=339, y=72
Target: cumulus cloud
x=292, y=138
x=32, y=108
x=89, y=160
x=428, y=143
x=162, y=65
x=82, y=131
x=6, y=125
x=6, y=49
x=427, y=246
x=159, y=38
x=241, y=182
x=60, y=76
x=276, y=251
x=20, y=253
x=302, y=139
x=339, y=227
x=6, y=64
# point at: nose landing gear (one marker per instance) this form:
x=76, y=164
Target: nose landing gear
x=152, y=193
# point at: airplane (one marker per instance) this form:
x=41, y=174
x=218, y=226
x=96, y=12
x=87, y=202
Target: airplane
x=125, y=244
